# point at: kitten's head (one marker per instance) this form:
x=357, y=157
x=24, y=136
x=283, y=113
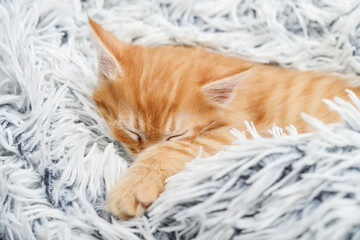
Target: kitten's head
x=152, y=95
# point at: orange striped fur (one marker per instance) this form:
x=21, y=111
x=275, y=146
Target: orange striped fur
x=164, y=103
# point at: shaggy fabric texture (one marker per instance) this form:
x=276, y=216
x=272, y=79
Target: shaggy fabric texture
x=58, y=159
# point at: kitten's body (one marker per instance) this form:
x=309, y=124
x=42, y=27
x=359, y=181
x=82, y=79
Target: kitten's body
x=165, y=103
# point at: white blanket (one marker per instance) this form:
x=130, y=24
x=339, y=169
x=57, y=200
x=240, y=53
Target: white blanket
x=58, y=159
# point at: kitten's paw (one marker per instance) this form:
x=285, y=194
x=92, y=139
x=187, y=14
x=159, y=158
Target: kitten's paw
x=134, y=194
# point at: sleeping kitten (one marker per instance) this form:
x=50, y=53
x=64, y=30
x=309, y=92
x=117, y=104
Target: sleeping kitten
x=164, y=103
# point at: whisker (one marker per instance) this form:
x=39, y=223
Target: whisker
x=208, y=126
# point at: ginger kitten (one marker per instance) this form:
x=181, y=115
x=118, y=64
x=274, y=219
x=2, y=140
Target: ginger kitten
x=164, y=103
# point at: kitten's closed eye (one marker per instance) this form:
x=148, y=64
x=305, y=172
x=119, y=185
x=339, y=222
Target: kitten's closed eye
x=134, y=135
x=175, y=136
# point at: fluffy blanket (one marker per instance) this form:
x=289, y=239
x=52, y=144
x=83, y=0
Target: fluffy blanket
x=58, y=159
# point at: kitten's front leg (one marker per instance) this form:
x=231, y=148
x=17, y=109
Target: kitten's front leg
x=135, y=192
x=145, y=180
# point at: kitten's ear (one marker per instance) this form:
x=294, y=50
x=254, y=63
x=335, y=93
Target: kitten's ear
x=222, y=92
x=110, y=50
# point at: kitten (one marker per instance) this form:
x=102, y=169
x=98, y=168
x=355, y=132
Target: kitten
x=164, y=103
